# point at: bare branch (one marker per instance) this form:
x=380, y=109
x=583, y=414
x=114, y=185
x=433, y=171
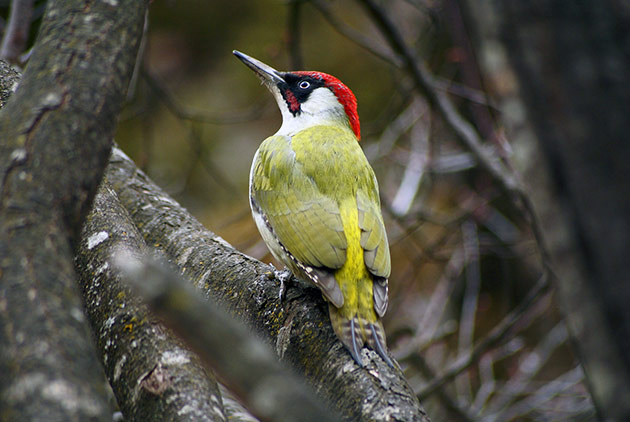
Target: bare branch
x=470, y=301
x=361, y=40
x=425, y=332
x=204, y=158
x=396, y=129
x=463, y=414
x=242, y=361
x=530, y=364
x=152, y=375
x=543, y=395
x=16, y=34
x=414, y=171
x=488, y=384
x=464, y=131
x=494, y=337
x=133, y=83
x=424, y=82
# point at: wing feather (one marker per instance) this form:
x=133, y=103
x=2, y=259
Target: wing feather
x=373, y=236
x=306, y=222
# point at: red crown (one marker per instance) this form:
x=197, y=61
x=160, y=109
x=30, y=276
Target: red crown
x=345, y=97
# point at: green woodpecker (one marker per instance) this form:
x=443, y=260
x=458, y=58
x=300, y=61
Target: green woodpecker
x=315, y=200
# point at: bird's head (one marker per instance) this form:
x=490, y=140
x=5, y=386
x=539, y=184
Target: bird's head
x=307, y=98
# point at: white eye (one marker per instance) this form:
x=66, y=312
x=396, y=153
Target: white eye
x=304, y=84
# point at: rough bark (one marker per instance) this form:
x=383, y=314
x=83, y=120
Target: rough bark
x=298, y=327
x=240, y=358
x=570, y=60
x=55, y=136
x=153, y=376
x=9, y=78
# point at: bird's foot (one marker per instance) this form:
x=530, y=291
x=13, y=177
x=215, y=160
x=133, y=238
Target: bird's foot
x=284, y=276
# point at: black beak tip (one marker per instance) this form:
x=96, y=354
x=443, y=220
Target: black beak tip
x=238, y=54
x=267, y=73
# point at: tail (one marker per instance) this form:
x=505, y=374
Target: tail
x=356, y=331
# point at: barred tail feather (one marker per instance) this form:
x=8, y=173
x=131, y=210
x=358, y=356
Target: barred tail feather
x=357, y=332
x=377, y=341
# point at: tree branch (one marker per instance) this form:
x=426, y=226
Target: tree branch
x=298, y=328
x=152, y=375
x=494, y=337
x=16, y=34
x=243, y=362
x=9, y=78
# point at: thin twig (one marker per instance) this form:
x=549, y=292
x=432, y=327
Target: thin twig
x=543, y=394
x=415, y=168
x=493, y=338
x=530, y=365
x=396, y=129
x=463, y=91
x=424, y=82
x=16, y=34
x=356, y=36
x=429, y=250
x=463, y=130
x=484, y=120
x=426, y=330
x=133, y=83
x=463, y=413
x=432, y=316
x=470, y=300
x=386, y=55
x=487, y=381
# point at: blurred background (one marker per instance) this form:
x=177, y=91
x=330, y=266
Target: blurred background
x=471, y=319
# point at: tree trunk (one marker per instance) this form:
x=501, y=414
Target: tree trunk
x=56, y=133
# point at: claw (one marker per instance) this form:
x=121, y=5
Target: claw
x=355, y=351
x=283, y=276
x=379, y=347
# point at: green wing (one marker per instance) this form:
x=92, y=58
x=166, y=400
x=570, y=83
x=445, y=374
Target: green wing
x=306, y=222
x=373, y=235
x=299, y=182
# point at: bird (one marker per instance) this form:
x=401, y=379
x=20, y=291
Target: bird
x=315, y=201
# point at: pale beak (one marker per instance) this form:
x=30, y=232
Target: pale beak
x=268, y=74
